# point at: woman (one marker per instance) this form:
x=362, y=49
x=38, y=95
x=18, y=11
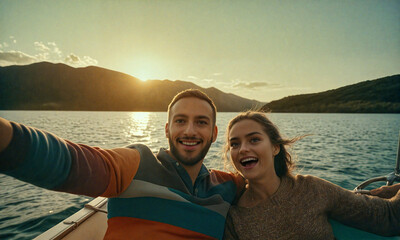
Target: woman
x=278, y=205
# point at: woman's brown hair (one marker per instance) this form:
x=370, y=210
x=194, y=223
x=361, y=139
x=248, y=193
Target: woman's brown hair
x=283, y=162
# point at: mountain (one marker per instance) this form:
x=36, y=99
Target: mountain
x=373, y=96
x=49, y=86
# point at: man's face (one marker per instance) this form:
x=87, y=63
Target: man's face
x=190, y=130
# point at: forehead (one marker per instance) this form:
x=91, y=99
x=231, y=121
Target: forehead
x=244, y=127
x=191, y=107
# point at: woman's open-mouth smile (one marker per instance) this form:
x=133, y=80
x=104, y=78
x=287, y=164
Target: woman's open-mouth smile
x=248, y=162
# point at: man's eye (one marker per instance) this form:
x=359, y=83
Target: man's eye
x=179, y=121
x=202, y=122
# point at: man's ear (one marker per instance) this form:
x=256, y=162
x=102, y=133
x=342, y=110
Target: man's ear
x=215, y=133
x=166, y=131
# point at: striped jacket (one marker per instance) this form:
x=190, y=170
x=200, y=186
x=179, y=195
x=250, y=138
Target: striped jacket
x=150, y=196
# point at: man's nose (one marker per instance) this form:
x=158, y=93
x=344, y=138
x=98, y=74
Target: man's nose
x=190, y=129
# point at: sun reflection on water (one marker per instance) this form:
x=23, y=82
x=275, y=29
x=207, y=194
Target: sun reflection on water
x=138, y=126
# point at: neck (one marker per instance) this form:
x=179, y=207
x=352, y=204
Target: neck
x=260, y=190
x=193, y=171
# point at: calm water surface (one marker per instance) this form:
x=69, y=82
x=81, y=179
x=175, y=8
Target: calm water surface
x=343, y=148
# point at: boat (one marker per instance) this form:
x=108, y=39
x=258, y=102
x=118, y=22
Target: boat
x=88, y=223
x=91, y=221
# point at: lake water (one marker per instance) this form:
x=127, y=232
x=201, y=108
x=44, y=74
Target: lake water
x=345, y=149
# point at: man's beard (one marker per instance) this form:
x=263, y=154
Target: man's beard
x=186, y=160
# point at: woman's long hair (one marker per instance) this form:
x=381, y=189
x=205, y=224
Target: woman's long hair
x=283, y=162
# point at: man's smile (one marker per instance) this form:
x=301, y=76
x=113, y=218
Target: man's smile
x=189, y=142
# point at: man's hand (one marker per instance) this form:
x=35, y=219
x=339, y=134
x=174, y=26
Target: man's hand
x=6, y=133
x=386, y=191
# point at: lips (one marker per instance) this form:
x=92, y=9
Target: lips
x=189, y=143
x=248, y=162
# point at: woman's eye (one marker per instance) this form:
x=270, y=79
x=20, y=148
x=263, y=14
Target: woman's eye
x=234, y=145
x=254, y=140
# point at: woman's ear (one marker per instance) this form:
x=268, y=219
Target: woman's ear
x=276, y=149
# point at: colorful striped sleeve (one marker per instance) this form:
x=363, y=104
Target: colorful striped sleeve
x=223, y=177
x=47, y=161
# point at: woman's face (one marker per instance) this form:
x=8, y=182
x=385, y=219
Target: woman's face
x=251, y=150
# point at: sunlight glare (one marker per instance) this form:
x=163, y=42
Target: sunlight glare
x=139, y=123
x=144, y=69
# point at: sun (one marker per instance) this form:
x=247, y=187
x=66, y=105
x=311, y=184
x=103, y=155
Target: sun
x=144, y=69
x=142, y=75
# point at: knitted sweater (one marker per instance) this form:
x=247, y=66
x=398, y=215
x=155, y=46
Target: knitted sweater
x=301, y=207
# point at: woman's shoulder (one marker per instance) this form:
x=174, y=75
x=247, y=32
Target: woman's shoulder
x=308, y=181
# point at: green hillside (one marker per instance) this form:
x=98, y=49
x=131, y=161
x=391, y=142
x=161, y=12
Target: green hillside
x=374, y=96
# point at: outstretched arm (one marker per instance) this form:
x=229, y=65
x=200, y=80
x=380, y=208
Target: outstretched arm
x=45, y=160
x=6, y=132
x=372, y=214
x=386, y=191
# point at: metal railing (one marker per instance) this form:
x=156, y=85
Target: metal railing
x=389, y=179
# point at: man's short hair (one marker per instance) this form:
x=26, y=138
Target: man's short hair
x=196, y=94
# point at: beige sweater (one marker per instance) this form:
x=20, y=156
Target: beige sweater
x=300, y=209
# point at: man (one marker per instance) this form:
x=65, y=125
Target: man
x=168, y=196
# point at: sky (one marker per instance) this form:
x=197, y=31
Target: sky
x=263, y=50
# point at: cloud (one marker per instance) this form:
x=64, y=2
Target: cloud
x=90, y=61
x=55, y=48
x=76, y=61
x=217, y=74
x=208, y=80
x=13, y=39
x=44, y=52
x=72, y=59
x=253, y=85
x=15, y=58
x=192, y=77
x=48, y=52
x=57, y=51
x=42, y=56
x=41, y=47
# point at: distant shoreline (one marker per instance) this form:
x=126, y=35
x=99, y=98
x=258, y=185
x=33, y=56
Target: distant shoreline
x=52, y=110
x=48, y=86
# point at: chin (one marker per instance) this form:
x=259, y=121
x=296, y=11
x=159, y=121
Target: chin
x=249, y=176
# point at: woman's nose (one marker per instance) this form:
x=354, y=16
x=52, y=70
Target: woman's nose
x=243, y=148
